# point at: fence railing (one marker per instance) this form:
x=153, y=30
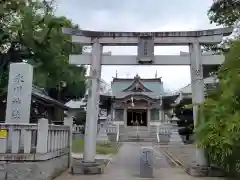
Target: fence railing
x=32, y=139
x=157, y=134
x=164, y=130
x=18, y=138
x=78, y=128
x=110, y=128
x=118, y=132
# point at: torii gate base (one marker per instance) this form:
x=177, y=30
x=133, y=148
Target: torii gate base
x=82, y=167
x=145, y=42
x=200, y=171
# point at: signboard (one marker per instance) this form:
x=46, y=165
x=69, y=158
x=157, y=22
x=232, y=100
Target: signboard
x=145, y=49
x=3, y=133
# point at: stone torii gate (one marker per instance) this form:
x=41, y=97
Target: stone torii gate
x=145, y=42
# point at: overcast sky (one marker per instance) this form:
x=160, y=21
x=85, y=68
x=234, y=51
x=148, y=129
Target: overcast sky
x=141, y=15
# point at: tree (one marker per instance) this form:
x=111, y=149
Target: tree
x=218, y=128
x=9, y=46
x=224, y=12
x=32, y=32
x=80, y=118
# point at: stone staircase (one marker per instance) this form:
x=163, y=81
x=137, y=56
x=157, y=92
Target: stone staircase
x=167, y=134
x=129, y=134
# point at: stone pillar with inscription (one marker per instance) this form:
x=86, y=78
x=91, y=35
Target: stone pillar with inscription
x=197, y=84
x=19, y=93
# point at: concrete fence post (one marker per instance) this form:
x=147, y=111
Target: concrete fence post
x=42, y=136
x=68, y=121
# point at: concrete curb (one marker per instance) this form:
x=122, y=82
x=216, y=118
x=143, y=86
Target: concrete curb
x=173, y=159
x=109, y=161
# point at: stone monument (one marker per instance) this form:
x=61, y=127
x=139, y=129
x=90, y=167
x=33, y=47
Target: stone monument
x=19, y=93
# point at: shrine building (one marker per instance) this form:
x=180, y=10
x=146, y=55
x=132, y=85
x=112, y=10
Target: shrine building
x=138, y=101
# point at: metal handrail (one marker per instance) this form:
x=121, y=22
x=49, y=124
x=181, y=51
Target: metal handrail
x=158, y=139
x=117, y=138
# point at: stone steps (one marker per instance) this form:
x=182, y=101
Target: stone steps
x=135, y=139
x=145, y=134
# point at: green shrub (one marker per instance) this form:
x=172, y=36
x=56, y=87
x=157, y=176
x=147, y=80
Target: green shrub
x=218, y=128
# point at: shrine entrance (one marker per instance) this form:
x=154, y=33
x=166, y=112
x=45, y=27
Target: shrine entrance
x=145, y=42
x=137, y=117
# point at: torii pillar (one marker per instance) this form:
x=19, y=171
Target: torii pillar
x=89, y=164
x=201, y=168
x=93, y=103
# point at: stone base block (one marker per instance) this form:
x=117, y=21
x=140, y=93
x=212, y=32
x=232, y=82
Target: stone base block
x=216, y=172
x=3, y=175
x=204, y=171
x=198, y=171
x=82, y=167
x=103, y=141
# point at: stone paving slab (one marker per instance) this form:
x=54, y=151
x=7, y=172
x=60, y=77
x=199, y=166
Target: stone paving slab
x=98, y=156
x=160, y=174
x=185, y=154
x=179, y=174
x=67, y=176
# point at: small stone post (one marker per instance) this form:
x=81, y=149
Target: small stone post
x=146, y=162
x=68, y=121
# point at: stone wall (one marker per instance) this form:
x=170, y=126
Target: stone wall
x=39, y=170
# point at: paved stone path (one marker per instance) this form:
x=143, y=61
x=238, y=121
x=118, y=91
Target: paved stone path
x=125, y=166
x=185, y=154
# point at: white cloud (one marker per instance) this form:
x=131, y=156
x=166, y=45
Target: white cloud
x=141, y=15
